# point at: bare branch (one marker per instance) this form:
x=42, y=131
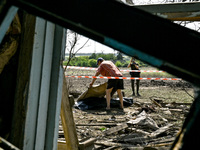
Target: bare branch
x=72, y=42
x=82, y=46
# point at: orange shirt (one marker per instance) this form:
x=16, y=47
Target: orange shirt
x=107, y=68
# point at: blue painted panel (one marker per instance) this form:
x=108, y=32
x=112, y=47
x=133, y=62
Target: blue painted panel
x=7, y=21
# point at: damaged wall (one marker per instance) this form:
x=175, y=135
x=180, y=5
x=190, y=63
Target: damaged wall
x=31, y=84
x=8, y=70
x=15, y=58
x=23, y=74
x=9, y=45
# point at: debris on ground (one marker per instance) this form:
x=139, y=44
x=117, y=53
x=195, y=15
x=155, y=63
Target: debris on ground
x=151, y=122
x=154, y=127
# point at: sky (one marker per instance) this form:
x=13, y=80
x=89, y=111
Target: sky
x=90, y=47
x=94, y=47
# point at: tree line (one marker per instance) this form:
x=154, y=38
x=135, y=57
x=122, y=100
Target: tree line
x=91, y=61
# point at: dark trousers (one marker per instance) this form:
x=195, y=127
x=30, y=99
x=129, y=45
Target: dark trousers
x=137, y=86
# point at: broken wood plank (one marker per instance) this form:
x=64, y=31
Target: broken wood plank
x=4, y=144
x=150, y=140
x=161, y=130
x=156, y=103
x=83, y=145
x=116, y=129
x=61, y=145
x=106, y=143
x=111, y=148
x=159, y=145
x=171, y=119
x=97, y=124
x=144, y=120
x=139, y=131
x=160, y=140
x=165, y=120
x=176, y=110
x=137, y=139
x=60, y=132
x=68, y=120
x=129, y=146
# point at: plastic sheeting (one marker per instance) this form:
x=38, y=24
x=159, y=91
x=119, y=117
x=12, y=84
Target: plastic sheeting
x=94, y=98
x=98, y=103
x=98, y=91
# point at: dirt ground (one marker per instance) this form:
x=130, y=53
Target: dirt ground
x=164, y=104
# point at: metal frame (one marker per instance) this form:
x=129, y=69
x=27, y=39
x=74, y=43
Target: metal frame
x=156, y=41
x=174, y=11
x=170, y=7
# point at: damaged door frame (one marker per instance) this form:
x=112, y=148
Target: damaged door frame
x=45, y=87
x=105, y=28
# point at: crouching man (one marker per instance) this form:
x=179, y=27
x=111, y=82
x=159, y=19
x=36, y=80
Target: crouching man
x=108, y=69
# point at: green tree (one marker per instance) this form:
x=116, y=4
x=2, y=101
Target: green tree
x=93, y=56
x=118, y=64
x=84, y=64
x=92, y=63
x=106, y=56
x=125, y=64
x=119, y=56
x=78, y=63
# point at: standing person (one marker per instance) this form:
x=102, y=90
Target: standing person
x=134, y=66
x=107, y=68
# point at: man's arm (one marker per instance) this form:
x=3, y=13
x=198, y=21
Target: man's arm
x=94, y=79
x=130, y=63
x=137, y=66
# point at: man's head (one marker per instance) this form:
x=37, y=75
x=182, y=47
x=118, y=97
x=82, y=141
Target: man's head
x=99, y=60
x=133, y=59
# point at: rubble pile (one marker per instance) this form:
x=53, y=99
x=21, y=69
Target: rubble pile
x=142, y=126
